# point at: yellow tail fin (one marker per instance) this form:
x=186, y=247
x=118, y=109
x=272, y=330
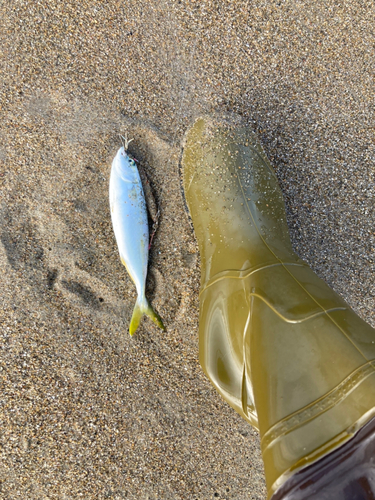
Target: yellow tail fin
x=142, y=307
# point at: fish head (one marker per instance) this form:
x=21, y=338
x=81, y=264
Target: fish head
x=125, y=166
x=125, y=159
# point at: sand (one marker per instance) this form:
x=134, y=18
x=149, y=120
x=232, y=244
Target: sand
x=85, y=410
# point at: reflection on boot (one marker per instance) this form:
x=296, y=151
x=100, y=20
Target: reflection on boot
x=282, y=348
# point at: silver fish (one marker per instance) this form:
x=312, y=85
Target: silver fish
x=130, y=225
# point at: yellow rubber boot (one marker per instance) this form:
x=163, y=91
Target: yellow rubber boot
x=282, y=348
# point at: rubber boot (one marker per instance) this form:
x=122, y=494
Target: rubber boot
x=280, y=346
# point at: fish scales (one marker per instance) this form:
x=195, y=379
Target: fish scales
x=130, y=225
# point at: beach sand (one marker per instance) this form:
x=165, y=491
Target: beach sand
x=86, y=411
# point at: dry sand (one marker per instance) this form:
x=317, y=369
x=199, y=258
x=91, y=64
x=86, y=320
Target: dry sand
x=86, y=411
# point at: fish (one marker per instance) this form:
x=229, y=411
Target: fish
x=130, y=226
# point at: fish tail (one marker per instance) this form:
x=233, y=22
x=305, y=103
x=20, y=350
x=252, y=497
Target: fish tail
x=142, y=306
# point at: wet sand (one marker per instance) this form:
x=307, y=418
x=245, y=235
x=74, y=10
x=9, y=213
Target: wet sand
x=86, y=411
